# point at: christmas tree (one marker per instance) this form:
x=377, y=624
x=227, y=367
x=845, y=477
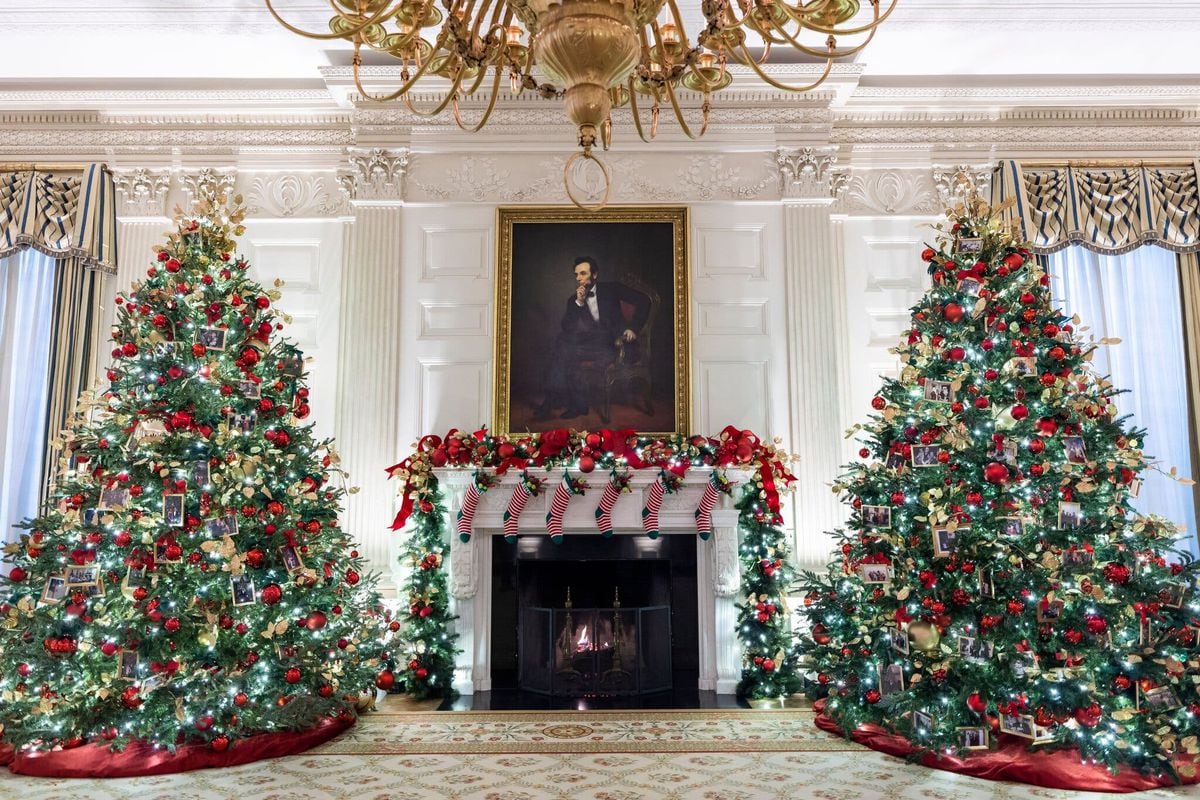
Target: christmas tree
x=995, y=584
x=187, y=581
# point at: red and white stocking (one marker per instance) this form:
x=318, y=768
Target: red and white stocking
x=527, y=488
x=558, y=506
x=717, y=484
x=608, y=499
x=466, y=514
x=654, y=499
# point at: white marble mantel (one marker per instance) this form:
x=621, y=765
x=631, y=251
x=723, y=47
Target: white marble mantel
x=717, y=579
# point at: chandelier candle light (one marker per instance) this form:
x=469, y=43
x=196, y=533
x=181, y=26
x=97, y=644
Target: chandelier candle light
x=593, y=54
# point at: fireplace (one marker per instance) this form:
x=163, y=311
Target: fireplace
x=594, y=617
x=492, y=581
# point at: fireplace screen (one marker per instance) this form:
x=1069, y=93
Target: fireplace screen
x=589, y=652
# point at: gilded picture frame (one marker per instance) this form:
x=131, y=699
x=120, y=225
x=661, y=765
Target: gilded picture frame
x=592, y=319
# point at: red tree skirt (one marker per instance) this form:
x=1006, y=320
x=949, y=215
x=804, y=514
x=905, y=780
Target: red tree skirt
x=1012, y=761
x=140, y=758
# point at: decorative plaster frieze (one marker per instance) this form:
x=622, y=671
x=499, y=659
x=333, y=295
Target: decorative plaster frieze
x=207, y=182
x=956, y=184
x=809, y=173
x=141, y=192
x=375, y=174
x=294, y=195
x=889, y=191
x=480, y=179
x=532, y=178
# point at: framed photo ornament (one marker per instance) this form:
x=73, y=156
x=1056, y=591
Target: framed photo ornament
x=592, y=319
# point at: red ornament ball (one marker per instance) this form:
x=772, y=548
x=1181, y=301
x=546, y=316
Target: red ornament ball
x=240, y=699
x=1019, y=412
x=872, y=696
x=995, y=472
x=220, y=743
x=271, y=594
x=587, y=464
x=292, y=675
x=1036, y=446
x=385, y=680
x=953, y=312
x=927, y=254
x=351, y=577
x=16, y=575
x=976, y=703
x=315, y=621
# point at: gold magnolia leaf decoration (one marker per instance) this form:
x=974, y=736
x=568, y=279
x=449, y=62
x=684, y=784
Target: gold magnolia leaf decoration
x=226, y=549
x=274, y=630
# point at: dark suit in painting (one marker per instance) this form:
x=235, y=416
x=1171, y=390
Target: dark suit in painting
x=588, y=340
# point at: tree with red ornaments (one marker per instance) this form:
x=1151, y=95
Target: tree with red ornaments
x=994, y=585
x=188, y=581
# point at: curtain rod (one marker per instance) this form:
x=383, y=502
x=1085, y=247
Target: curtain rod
x=19, y=167
x=1110, y=162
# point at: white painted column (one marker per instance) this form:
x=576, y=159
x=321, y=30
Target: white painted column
x=724, y=571
x=816, y=334
x=142, y=223
x=368, y=384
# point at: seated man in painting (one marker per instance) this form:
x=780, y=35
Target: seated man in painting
x=593, y=326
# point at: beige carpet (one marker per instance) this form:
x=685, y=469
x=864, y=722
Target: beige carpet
x=410, y=753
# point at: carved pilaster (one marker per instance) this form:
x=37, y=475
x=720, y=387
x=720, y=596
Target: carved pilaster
x=809, y=173
x=207, y=182
x=374, y=175
x=956, y=184
x=141, y=192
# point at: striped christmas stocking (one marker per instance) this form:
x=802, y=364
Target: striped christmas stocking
x=717, y=484
x=612, y=492
x=558, y=505
x=527, y=488
x=654, y=499
x=466, y=514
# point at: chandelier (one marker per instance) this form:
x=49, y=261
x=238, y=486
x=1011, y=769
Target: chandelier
x=592, y=54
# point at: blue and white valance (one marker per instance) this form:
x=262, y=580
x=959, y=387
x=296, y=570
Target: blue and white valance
x=1105, y=209
x=68, y=214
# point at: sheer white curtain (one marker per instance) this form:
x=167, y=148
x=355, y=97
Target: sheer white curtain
x=1135, y=297
x=26, y=305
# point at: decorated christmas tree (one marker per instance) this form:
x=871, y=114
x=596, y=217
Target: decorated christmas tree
x=187, y=583
x=995, y=586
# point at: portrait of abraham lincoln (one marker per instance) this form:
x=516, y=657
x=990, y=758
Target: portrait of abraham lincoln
x=591, y=319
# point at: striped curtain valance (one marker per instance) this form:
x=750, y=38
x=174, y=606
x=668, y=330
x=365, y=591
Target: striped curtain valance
x=62, y=214
x=1109, y=210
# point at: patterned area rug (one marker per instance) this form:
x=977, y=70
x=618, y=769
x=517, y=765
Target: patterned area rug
x=565, y=755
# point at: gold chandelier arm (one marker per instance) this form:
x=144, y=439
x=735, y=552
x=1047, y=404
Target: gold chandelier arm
x=831, y=51
x=878, y=18
x=687, y=131
x=792, y=41
x=490, y=106
x=637, y=117
x=748, y=60
x=450, y=96
x=403, y=90
x=353, y=31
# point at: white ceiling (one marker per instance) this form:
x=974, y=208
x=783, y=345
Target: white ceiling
x=83, y=43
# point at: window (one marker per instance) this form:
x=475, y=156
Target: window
x=1135, y=298
x=26, y=308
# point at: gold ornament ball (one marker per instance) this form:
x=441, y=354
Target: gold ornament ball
x=923, y=635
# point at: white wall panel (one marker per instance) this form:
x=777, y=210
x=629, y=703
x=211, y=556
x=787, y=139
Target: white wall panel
x=307, y=256
x=884, y=278
x=454, y=252
x=731, y=250
x=445, y=323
